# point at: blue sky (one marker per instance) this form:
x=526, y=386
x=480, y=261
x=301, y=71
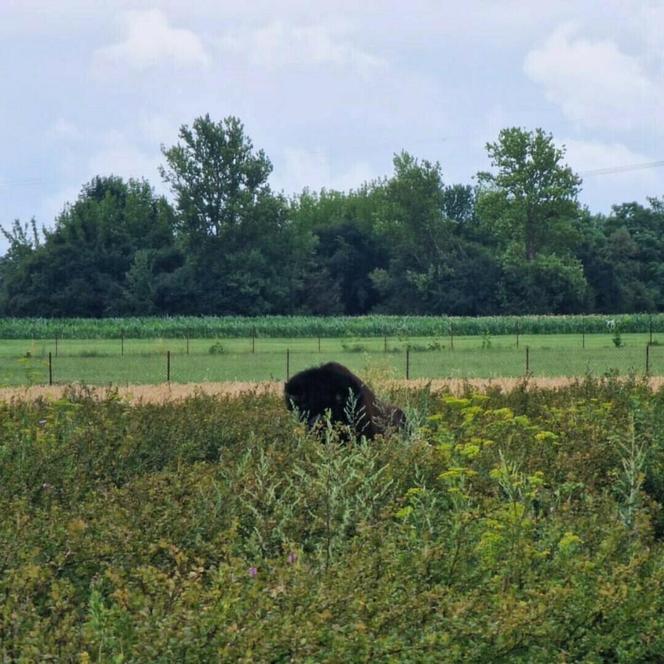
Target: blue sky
x=330, y=90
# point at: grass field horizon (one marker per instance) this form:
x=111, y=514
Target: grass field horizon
x=144, y=361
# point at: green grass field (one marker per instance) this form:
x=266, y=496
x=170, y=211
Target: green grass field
x=136, y=361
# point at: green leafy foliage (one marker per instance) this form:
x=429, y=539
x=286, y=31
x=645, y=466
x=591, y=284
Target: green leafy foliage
x=409, y=243
x=100, y=259
x=530, y=201
x=522, y=526
x=241, y=255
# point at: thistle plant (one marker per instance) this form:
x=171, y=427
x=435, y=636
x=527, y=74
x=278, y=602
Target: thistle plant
x=630, y=481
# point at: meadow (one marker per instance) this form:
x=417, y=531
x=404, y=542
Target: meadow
x=503, y=526
x=123, y=361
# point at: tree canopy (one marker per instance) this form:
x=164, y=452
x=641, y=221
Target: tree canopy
x=514, y=241
x=531, y=200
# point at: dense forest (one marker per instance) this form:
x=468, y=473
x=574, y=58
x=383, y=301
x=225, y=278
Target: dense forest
x=516, y=241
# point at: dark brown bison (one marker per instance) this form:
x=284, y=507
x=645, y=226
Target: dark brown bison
x=332, y=387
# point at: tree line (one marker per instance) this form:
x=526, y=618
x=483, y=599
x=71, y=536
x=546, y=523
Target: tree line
x=516, y=241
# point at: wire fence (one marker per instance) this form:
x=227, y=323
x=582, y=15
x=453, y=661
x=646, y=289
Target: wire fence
x=104, y=362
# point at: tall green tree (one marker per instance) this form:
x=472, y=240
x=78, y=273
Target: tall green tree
x=216, y=175
x=530, y=201
x=434, y=267
x=22, y=238
x=241, y=254
x=347, y=249
x=411, y=220
x=528, y=206
x=623, y=257
x=81, y=267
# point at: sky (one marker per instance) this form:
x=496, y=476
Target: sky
x=330, y=90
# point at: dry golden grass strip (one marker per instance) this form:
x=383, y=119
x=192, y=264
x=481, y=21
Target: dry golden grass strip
x=165, y=392
x=160, y=393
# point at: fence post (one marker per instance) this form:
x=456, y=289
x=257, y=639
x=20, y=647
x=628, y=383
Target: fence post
x=407, y=362
x=647, y=359
x=527, y=360
x=650, y=326
x=168, y=366
x=50, y=368
x=287, y=363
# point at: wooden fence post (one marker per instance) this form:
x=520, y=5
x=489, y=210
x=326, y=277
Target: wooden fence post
x=647, y=359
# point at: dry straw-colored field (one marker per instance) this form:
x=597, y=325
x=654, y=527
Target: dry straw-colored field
x=177, y=391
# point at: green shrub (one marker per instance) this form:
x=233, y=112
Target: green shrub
x=504, y=526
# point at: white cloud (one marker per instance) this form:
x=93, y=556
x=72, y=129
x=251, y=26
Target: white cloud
x=65, y=130
x=584, y=155
x=158, y=129
x=278, y=45
x=594, y=82
x=347, y=83
x=52, y=206
x=299, y=168
x=115, y=154
x=119, y=156
x=648, y=19
x=602, y=189
x=151, y=41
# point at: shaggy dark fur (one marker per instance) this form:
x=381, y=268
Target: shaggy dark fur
x=333, y=387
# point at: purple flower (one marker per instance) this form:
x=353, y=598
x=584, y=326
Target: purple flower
x=252, y=571
x=292, y=557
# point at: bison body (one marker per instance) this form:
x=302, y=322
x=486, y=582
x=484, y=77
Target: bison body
x=333, y=388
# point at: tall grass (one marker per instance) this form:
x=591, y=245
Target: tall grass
x=519, y=526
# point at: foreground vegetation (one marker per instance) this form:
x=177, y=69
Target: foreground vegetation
x=522, y=527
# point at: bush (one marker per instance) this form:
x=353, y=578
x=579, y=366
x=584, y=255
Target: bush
x=513, y=526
